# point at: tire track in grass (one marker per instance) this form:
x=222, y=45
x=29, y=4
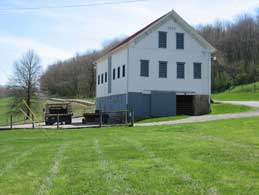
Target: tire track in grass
x=196, y=185
x=47, y=184
x=114, y=175
x=14, y=163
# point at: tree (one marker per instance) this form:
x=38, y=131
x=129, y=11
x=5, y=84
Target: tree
x=24, y=83
x=74, y=77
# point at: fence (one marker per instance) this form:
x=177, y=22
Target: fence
x=124, y=117
x=8, y=121
x=97, y=119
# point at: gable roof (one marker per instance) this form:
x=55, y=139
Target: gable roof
x=180, y=20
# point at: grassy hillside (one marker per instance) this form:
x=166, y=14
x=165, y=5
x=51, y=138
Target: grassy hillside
x=229, y=108
x=243, y=92
x=78, y=110
x=4, y=111
x=219, y=157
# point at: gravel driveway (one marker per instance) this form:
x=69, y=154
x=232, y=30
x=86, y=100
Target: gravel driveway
x=204, y=118
x=254, y=104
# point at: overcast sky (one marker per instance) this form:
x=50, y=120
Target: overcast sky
x=57, y=34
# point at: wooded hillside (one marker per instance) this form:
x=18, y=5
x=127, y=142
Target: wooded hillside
x=74, y=77
x=238, y=51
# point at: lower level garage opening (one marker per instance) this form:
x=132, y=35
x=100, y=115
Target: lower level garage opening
x=184, y=105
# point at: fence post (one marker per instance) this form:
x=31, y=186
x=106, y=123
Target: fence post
x=132, y=118
x=101, y=119
x=126, y=117
x=58, y=121
x=33, y=123
x=11, y=122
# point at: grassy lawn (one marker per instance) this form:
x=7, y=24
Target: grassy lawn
x=244, y=92
x=218, y=108
x=205, y=158
x=4, y=110
x=160, y=119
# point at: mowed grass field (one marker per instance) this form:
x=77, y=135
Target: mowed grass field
x=248, y=92
x=220, y=157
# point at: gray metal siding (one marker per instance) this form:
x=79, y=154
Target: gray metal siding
x=156, y=104
x=163, y=104
x=111, y=103
x=140, y=103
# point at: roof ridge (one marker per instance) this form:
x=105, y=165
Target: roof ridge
x=126, y=40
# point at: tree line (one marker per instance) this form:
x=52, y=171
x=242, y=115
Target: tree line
x=237, y=43
x=74, y=77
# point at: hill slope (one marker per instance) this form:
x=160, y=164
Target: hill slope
x=249, y=92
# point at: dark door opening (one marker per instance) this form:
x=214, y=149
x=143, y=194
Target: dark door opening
x=184, y=105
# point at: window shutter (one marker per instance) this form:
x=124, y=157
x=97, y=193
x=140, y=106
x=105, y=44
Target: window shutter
x=123, y=71
x=114, y=74
x=144, y=68
x=162, y=39
x=180, y=70
x=197, y=70
x=179, y=40
x=118, y=72
x=106, y=77
x=162, y=69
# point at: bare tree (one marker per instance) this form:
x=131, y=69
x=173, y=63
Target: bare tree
x=24, y=83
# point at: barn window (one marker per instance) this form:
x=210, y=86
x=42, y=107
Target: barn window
x=180, y=70
x=162, y=39
x=197, y=70
x=123, y=71
x=114, y=74
x=102, y=79
x=119, y=72
x=162, y=69
x=179, y=41
x=106, y=77
x=98, y=79
x=144, y=68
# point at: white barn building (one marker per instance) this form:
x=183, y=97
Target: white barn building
x=162, y=70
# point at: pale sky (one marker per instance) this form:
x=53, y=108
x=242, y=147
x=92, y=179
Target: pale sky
x=58, y=34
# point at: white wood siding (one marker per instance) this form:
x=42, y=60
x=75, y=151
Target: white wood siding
x=147, y=49
x=118, y=86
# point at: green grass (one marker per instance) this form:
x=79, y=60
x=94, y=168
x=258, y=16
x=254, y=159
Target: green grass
x=205, y=158
x=160, y=119
x=243, y=92
x=219, y=108
x=4, y=112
